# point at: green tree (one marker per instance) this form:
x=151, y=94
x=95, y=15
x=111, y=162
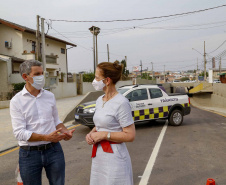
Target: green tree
x=146, y=76
x=124, y=71
x=202, y=74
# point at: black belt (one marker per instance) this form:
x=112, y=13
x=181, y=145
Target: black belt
x=39, y=147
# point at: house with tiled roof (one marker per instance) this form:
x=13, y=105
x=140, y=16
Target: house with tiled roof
x=18, y=43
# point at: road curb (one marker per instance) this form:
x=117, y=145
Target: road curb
x=208, y=110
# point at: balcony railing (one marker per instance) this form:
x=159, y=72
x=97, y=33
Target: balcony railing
x=51, y=59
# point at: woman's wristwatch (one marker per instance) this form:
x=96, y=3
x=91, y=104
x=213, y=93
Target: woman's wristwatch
x=109, y=136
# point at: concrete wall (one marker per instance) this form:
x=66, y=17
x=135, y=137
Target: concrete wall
x=216, y=99
x=3, y=77
x=121, y=83
x=167, y=87
x=16, y=78
x=144, y=81
x=87, y=87
x=90, y=96
x=4, y=104
x=64, y=90
x=182, y=84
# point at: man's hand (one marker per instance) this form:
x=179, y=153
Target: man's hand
x=68, y=134
x=98, y=136
x=54, y=136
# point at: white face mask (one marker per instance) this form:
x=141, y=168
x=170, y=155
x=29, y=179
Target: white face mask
x=39, y=82
x=98, y=85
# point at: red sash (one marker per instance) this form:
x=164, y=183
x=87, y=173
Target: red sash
x=105, y=146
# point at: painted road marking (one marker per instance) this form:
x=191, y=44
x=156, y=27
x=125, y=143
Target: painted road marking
x=9, y=151
x=151, y=162
x=14, y=149
x=71, y=127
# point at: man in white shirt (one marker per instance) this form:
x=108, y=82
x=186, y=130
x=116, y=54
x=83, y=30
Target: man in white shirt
x=38, y=129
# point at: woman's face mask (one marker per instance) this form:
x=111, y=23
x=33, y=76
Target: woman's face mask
x=98, y=85
x=39, y=82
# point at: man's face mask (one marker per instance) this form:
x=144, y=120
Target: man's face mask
x=39, y=82
x=98, y=85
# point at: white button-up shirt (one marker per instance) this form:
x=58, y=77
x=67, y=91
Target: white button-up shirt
x=32, y=114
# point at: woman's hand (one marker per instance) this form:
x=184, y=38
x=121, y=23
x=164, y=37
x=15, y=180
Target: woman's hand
x=98, y=136
x=89, y=140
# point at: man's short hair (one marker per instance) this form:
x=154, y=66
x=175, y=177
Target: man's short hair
x=25, y=67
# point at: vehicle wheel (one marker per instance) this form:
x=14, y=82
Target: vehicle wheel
x=176, y=118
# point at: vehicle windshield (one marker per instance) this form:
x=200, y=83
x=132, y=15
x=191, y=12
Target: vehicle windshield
x=122, y=91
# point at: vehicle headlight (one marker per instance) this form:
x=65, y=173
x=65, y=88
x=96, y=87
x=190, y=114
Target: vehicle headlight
x=90, y=110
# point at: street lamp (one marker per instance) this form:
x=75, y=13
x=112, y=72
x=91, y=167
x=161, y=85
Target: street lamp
x=95, y=31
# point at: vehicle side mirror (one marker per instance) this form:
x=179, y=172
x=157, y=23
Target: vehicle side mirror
x=129, y=99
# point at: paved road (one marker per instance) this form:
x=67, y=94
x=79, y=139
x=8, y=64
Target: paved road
x=189, y=154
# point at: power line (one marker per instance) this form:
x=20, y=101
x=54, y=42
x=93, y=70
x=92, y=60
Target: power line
x=183, y=28
x=193, y=25
x=71, y=40
x=112, y=30
x=218, y=47
x=141, y=19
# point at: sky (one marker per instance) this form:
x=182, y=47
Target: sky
x=167, y=41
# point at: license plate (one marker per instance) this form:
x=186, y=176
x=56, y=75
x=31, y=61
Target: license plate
x=76, y=116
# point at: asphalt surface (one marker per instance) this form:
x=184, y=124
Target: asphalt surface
x=189, y=154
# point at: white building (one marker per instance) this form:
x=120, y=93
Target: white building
x=18, y=43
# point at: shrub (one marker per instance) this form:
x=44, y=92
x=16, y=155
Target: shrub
x=88, y=77
x=18, y=86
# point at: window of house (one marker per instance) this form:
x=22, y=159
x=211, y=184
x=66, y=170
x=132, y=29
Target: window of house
x=16, y=66
x=155, y=93
x=33, y=45
x=137, y=95
x=62, y=50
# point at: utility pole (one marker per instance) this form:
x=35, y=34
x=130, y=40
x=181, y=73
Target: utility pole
x=122, y=71
x=108, y=53
x=96, y=53
x=37, y=52
x=147, y=73
x=197, y=79
x=220, y=65
x=164, y=75
x=126, y=62
x=43, y=46
x=152, y=71
x=94, y=60
x=141, y=66
x=204, y=61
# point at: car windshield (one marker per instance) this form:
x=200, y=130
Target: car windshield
x=122, y=91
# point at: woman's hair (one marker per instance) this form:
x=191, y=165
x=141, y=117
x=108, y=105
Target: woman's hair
x=111, y=70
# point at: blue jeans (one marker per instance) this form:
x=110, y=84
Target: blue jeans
x=32, y=162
